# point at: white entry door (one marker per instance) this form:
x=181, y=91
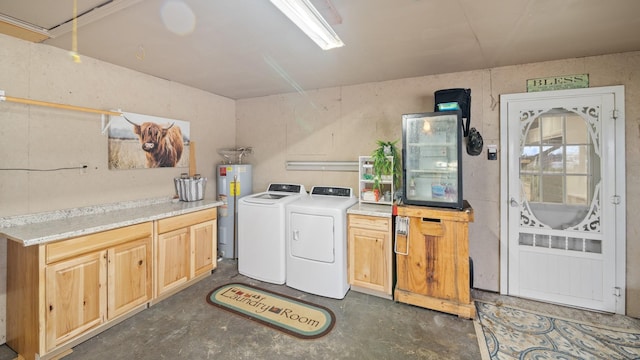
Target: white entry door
x=562, y=200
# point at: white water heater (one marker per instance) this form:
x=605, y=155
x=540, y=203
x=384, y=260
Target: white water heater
x=234, y=182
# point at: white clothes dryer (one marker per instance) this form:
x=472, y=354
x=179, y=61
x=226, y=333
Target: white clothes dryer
x=317, y=241
x=261, y=232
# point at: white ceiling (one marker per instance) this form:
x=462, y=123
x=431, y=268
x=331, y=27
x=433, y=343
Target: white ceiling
x=247, y=48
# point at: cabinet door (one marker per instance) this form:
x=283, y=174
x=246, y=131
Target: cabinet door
x=203, y=247
x=173, y=259
x=431, y=267
x=129, y=276
x=368, y=259
x=76, y=296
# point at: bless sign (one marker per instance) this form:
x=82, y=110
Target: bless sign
x=558, y=83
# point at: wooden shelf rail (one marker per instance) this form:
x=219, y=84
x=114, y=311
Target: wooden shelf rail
x=3, y=97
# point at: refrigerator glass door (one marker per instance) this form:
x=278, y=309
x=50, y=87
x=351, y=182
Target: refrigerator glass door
x=432, y=159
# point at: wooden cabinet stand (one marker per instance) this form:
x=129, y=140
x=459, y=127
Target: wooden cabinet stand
x=433, y=259
x=370, y=256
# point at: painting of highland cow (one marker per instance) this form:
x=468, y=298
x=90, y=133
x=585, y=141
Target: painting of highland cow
x=143, y=141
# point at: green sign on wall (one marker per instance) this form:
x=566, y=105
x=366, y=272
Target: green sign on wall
x=558, y=83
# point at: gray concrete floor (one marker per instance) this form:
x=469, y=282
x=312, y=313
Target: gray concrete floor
x=185, y=326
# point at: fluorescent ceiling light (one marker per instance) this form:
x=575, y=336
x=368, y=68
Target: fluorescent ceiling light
x=309, y=20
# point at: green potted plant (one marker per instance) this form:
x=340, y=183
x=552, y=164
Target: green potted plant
x=383, y=166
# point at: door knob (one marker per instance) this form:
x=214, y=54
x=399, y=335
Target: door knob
x=513, y=203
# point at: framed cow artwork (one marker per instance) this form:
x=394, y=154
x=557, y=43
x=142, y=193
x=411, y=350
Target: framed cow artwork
x=144, y=141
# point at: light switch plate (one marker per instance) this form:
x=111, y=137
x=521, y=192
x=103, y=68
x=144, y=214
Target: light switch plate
x=492, y=152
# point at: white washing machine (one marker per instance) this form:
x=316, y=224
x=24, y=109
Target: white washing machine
x=261, y=232
x=317, y=241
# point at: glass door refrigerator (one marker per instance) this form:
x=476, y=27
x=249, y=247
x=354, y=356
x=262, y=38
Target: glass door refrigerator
x=432, y=159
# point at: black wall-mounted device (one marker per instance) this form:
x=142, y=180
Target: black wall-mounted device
x=460, y=99
x=461, y=96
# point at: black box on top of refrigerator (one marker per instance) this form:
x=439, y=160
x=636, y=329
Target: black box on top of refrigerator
x=455, y=99
x=432, y=159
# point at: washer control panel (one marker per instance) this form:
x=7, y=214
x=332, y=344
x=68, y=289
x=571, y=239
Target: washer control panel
x=332, y=191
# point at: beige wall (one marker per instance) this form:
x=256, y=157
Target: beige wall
x=42, y=138
x=38, y=137
x=342, y=123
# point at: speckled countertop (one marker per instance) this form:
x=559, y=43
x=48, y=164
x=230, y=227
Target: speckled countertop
x=371, y=210
x=63, y=224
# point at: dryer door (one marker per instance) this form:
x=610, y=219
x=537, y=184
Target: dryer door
x=312, y=237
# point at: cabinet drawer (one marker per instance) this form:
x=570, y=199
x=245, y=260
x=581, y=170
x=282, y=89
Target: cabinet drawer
x=369, y=222
x=80, y=245
x=182, y=221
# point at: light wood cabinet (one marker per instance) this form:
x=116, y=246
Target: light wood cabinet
x=432, y=259
x=203, y=256
x=173, y=260
x=76, y=296
x=64, y=292
x=84, y=290
x=59, y=293
x=185, y=250
x=370, y=257
x=129, y=276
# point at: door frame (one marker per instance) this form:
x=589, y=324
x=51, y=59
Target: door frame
x=620, y=180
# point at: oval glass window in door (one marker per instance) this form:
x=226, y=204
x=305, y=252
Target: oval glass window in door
x=560, y=175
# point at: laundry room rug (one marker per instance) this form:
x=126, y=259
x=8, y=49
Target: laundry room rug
x=292, y=316
x=509, y=333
